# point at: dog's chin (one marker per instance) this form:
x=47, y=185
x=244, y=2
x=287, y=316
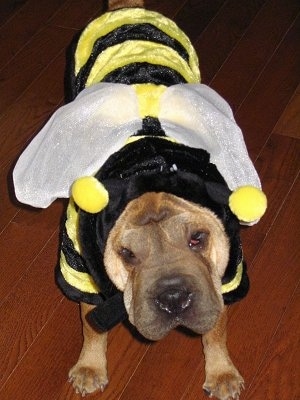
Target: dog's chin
x=159, y=327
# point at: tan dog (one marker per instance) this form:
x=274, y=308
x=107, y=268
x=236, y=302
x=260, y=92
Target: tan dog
x=190, y=243
x=170, y=278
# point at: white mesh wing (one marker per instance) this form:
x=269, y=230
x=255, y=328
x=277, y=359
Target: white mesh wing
x=197, y=116
x=75, y=142
x=80, y=136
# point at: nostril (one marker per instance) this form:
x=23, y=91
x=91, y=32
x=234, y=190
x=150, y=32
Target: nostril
x=174, y=300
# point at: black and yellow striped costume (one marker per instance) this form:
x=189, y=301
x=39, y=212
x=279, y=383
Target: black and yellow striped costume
x=148, y=51
x=136, y=47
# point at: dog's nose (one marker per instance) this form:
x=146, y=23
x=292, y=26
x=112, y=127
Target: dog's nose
x=174, y=300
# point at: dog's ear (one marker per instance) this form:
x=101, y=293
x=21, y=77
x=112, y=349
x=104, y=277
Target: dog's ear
x=218, y=192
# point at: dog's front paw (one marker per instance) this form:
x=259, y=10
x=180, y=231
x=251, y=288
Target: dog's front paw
x=87, y=380
x=224, y=386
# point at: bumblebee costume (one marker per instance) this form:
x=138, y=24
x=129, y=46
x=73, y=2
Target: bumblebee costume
x=133, y=46
x=139, y=121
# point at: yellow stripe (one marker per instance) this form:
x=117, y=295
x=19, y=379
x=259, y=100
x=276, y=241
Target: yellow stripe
x=79, y=280
x=134, y=51
x=235, y=282
x=108, y=22
x=148, y=96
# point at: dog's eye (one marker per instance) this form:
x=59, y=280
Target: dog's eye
x=127, y=255
x=198, y=240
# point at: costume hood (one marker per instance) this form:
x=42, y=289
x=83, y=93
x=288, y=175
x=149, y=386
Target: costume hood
x=152, y=165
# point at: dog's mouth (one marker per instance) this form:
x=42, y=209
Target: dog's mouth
x=163, y=323
x=177, y=302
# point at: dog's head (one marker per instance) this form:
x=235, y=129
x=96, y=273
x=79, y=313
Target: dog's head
x=168, y=256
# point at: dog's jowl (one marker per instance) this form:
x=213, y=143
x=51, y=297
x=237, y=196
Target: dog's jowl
x=158, y=180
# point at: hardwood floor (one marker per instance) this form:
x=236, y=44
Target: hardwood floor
x=249, y=52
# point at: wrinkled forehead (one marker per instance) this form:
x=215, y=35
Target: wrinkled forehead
x=158, y=212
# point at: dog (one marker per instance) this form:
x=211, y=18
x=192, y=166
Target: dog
x=192, y=245
x=153, y=236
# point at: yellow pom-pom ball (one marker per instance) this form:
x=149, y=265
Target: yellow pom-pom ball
x=89, y=194
x=248, y=203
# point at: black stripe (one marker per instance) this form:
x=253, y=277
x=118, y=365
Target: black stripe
x=144, y=73
x=235, y=257
x=241, y=291
x=73, y=258
x=124, y=33
x=151, y=127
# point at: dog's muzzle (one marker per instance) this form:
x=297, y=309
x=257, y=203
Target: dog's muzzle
x=176, y=299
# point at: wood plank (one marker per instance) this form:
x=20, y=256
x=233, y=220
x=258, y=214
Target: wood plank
x=223, y=33
x=42, y=371
x=194, y=17
x=33, y=108
x=26, y=310
x=7, y=209
x=281, y=364
x=274, y=277
x=167, y=366
x=30, y=61
x=271, y=93
x=18, y=250
x=278, y=166
x=289, y=122
x=9, y=8
x=56, y=349
x=17, y=75
x=75, y=15
x=20, y=28
x=169, y=8
x=243, y=66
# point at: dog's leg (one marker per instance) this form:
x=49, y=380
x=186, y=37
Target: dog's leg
x=90, y=372
x=222, y=378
